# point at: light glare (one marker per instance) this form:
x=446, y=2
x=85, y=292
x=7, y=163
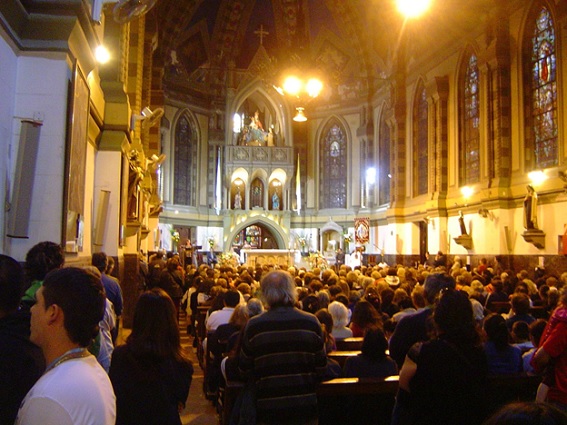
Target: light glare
x=314, y=87
x=467, y=191
x=102, y=54
x=292, y=85
x=413, y=8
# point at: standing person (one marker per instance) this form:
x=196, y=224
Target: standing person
x=151, y=374
x=171, y=281
x=551, y=357
x=111, y=287
x=21, y=362
x=412, y=329
x=340, y=257
x=40, y=260
x=283, y=353
x=442, y=378
x=75, y=389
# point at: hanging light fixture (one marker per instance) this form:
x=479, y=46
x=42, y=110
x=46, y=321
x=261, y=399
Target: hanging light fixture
x=300, y=115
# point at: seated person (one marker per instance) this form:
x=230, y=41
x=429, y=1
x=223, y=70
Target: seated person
x=372, y=362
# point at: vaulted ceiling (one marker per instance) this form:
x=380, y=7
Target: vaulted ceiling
x=200, y=39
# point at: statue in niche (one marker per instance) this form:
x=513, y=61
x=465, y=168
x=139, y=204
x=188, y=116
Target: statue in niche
x=238, y=200
x=275, y=201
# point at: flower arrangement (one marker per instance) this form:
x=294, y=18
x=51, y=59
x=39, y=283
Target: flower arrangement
x=347, y=237
x=211, y=242
x=228, y=259
x=302, y=241
x=174, y=235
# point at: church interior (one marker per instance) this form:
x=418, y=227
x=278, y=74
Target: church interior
x=146, y=125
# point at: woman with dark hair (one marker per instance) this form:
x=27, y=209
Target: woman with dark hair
x=440, y=379
x=364, y=317
x=372, y=362
x=503, y=357
x=151, y=374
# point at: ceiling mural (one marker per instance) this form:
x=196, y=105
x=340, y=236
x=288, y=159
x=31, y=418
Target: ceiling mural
x=201, y=40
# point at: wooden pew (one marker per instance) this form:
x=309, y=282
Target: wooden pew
x=349, y=344
x=370, y=400
x=341, y=356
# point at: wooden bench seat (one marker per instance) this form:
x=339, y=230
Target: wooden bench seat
x=349, y=344
x=370, y=400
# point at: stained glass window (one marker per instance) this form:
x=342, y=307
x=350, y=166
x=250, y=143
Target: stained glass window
x=421, y=146
x=384, y=164
x=184, y=167
x=469, y=155
x=542, y=107
x=333, y=167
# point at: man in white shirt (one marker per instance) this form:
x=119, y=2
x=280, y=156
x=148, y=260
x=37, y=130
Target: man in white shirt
x=74, y=390
x=221, y=317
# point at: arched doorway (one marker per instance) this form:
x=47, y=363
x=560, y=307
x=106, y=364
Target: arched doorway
x=255, y=236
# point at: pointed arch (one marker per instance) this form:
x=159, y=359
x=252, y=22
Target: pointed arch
x=333, y=156
x=185, y=154
x=420, y=140
x=469, y=119
x=540, y=82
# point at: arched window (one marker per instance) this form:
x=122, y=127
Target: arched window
x=384, y=163
x=540, y=100
x=469, y=114
x=333, y=172
x=184, y=162
x=420, y=141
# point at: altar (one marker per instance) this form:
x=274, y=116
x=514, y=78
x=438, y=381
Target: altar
x=280, y=257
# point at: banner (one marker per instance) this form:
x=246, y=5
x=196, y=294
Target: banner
x=361, y=230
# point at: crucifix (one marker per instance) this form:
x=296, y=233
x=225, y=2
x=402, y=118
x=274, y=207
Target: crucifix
x=261, y=33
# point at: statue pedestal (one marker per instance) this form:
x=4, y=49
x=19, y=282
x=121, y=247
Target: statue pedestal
x=536, y=237
x=464, y=240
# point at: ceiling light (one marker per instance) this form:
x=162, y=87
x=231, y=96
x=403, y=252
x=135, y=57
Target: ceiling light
x=292, y=85
x=413, y=8
x=300, y=115
x=314, y=87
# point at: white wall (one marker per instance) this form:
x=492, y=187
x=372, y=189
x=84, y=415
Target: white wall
x=40, y=90
x=8, y=70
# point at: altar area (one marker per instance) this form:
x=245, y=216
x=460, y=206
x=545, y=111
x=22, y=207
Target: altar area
x=280, y=257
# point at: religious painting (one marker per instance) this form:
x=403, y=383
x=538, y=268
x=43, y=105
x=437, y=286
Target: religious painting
x=361, y=230
x=75, y=158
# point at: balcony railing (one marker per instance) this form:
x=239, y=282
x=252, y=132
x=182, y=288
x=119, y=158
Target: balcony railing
x=259, y=155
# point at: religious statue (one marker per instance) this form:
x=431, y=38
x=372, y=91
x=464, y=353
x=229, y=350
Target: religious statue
x=135, y=176
x=238, y=201
x=462, y=224
x=275, y=201
x=530, y=209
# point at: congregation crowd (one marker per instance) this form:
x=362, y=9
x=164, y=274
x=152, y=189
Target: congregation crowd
x=443, y=328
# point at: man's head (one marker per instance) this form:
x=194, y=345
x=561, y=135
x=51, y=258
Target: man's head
x=100, y=261
x=232, y=299
x=278, y=289
x=72, y=298
x=11, y=284
x=42, y=258
x=434, y=283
